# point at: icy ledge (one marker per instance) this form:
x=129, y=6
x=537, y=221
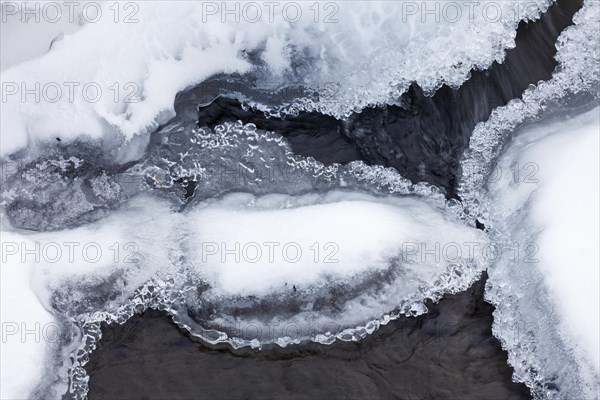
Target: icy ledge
x=368, y=53
x=536, y=191
x=578, y=55
x=549, y=292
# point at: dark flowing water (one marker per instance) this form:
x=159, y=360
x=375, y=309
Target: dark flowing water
x=448, y=353
x=425, y=138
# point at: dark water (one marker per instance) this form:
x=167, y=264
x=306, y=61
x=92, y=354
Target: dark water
x=407, y=138
x=448, y=353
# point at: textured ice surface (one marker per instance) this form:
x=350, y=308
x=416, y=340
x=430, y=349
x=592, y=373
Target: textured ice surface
x=49, y=278
x=183, y=164
x=339, y=260
x=544, y=202
x=376, y=258
x=146, y=220
x=578, y=54
x=370, y=55
x=349, y=65
x=550, y=291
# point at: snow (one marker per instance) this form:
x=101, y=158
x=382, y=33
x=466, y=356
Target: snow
x=117, y=79
x=245, y=247
x=67, y=271
x=28, y=328
x=566, y=205
x=556, y=209
x=21, y=41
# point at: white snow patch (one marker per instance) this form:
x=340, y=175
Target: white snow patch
x=28, y=329
x=557, y=208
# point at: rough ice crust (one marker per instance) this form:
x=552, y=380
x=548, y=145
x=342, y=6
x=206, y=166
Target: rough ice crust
x=168, y=279
x=540, y=304
x=578, y=55
x=548, y=290
x=379, y=282
x=370, y=56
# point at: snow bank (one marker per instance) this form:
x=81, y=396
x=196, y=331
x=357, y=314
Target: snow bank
x=552, y=210
x=28, y=328
x=117, y=76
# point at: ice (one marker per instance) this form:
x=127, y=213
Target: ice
x=542, y=197
x=552, y=288
x=106, y=261
x=382, y=255
x=119, y=254
x=535, y=187
x=578, y=55
x=164, y=247
x=187, y=165
x=330, y=263
x=49, y=278
x=370, y=56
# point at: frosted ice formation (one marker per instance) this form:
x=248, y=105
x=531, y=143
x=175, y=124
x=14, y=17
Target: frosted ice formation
x=371, y=55
x=530, y=175
x=577, y=74
x=184, y=198
x=303, y=255
x=150, y=228
x=322, y=280
x=547, y=294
